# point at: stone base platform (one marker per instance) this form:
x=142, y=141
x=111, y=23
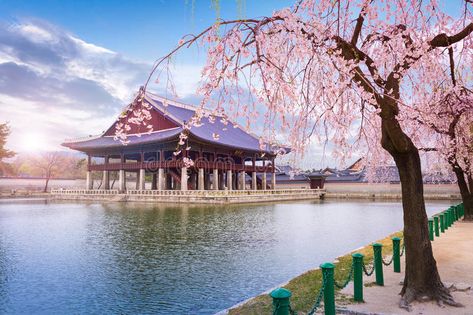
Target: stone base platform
x=191, y=196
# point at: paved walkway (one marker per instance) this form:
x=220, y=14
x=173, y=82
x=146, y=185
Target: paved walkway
x=454, y=254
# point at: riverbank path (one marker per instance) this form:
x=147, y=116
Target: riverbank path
x=453, y=252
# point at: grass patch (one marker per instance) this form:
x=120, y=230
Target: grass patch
x=370, y=284
x=305, y=287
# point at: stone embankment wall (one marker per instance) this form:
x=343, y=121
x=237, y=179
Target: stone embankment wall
x=388, y=191
x=209, y=197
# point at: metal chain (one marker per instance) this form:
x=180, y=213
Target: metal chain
x=389, y=262
x=403, y=248
x=368, y=273
x=319, y=298
x=341, y=286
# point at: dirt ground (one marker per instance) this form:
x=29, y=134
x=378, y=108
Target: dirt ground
x=453, y=251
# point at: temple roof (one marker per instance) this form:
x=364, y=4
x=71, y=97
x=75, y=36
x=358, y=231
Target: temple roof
x=230, y=134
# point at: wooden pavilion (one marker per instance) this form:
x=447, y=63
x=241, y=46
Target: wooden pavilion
x=224, y=156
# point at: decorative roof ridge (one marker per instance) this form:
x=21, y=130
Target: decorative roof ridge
x=180, y=104
x=145, y=133
x=84, y=138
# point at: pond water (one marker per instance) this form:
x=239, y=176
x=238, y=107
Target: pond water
x=129, y=258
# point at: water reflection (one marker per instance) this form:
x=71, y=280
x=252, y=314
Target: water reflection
x=145, y=258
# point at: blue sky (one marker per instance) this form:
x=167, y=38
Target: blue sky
x=68, y=67
x=141, y=31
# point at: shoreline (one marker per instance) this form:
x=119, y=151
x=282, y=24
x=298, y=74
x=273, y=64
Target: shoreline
x=10, y=189
x=312, y=278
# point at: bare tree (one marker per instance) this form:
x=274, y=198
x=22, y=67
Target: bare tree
x=49, y=163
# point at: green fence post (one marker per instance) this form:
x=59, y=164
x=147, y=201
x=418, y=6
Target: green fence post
x=447, y=220
x=457, y=216
x=436, y=226
x=397, y=254
x=450, y=210
x=357, y=276
x=329, y=290
x=281, y=303
x=378, y=263
x=431, y=229
x=442, y=223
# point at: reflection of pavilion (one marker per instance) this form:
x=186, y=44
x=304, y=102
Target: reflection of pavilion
x=223, y=154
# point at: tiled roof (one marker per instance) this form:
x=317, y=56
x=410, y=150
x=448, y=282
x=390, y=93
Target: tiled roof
x=108, y=141
x=229, y=134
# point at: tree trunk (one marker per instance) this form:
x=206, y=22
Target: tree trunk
x=467, y=195
x=46, y=185
x=421, y=277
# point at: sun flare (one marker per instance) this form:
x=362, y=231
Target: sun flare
x=32, y=142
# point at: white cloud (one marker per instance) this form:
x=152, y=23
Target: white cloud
x=35, y=33
x=57, y=85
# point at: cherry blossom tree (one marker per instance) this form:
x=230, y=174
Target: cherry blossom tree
x=449, y=116
x=344, y=71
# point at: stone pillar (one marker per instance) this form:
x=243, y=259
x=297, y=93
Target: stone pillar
x=154, y=182
x=89, y=182
x=142, y=179
x=161, y=179
x=221, y=181
x=201, y=184
x=264, y=181
x=106, y=180
x=137, y=184
x=121, y=180
x=254, y=183
x=184, y=178
x=229, y=180
x=241, y=180
x=215, y=179
x=273, y=181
